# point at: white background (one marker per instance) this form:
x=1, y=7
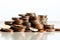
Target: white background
x=11, y=8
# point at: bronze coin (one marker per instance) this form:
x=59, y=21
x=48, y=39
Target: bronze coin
x=50, y=30
x=49, y=26
x=57, y=29
x=6, y=30
x=31, y=14
x=15, y=18
x=8, y=22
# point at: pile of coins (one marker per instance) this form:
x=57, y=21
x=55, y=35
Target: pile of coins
x=29, y=22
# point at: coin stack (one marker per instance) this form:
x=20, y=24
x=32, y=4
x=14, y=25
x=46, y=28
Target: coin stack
x=57, y=29
x=49, y=28
x=6, y=30
x=28, y=22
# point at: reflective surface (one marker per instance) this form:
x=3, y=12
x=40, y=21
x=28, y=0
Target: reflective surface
x=30, y=36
